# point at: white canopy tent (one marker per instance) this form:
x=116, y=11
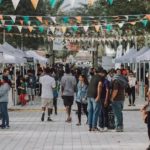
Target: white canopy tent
x=132, y=58
x=125, y=58
x=144, y=57
x=36, y=57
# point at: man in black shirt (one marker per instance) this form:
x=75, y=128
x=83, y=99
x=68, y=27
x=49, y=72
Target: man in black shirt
x=94, y=94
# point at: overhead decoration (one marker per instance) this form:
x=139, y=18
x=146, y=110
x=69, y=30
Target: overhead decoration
x=40, y=18
x=79, y=19
x=9, y=28
x=13, y=18
x=66, y=19
x=110, y=2
x=64, y=29
x=26, y=19
x=30, y=28
x=34, y=3
x=133, y=23
x=85, y=28
x=121, y=24
x=97, y=27
x=75, y=28
x=1, y=1
x=109, y=27
x=15, y=3
x=1, y=17
x=144, y=22
x=41, y=29
x=21, y=22
x=148, y=17
x=52, y=29
x=53, y=19
x=90, y=2
x=19, y=28
x=52, y=3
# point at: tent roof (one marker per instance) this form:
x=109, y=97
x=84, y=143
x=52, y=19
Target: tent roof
x=144, y=57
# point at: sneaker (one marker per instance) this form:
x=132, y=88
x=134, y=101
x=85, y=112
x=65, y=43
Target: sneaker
x=129, y=105
x=7, y=127
x=95, y=129
x=133, y=104
x=49, y=119
x=105, y=129
x=78, y=124
x=42, y=118
x=101, y=129
x=119, y=129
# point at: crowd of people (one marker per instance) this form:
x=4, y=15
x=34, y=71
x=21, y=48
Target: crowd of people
x=95, y=91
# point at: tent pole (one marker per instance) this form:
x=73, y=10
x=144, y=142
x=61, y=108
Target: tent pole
x=15, y=93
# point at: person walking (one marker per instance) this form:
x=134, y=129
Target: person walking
x=117, y=98
x=93, y=95
x=131, y=89
x=48, y=84
x=68, y=87
x=81, y=98
x=5, y=85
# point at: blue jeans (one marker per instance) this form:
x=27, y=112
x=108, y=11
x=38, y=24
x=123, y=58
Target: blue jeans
x=93, y=112
x=117, y=107
x=4, y=111
x=103, y=116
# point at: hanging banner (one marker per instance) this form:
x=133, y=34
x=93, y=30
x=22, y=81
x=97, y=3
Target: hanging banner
x=52, y=3
x=79, y=19
x=21, y=22
x=40, y=18
x=13, y=18
x=90, y=2
x=1, y=17
x=30, y=28
x=34, y=3
x=15, y=3
x=64, y=29
x=121, y=24
x=97, y=27
x=19, y=28
x=52, y=29
x=58, y=44
x=53, y=19
x=85, y=28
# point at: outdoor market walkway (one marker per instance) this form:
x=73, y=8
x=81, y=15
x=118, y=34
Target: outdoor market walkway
x=27, y=132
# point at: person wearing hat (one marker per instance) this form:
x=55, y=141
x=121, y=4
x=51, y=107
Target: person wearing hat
x=93, y=96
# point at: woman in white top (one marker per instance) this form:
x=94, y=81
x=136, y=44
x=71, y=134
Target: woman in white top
x=131, y=90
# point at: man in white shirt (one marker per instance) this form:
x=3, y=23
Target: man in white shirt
x=48, y=84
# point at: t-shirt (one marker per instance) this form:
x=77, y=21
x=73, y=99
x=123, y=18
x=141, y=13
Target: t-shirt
x=121, y=91
x=68, y=82
x=92, y=89
x=48, y=83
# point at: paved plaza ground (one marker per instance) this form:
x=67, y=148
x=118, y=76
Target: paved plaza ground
x=27, y=132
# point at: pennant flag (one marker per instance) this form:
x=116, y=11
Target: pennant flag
x=90, y=2
x=41, y=29
x=21, y=22
x=85, y=28
x=46, y=22
x=64, y=29
x=133, y=23
x=30, y=28
x=1, y=17
x=40, y=18
x=34, y=3
x=1, y=1
x=110, y=2
x=19, y=28
x=66, y=19
x=79, y=19
x=38, y=22
x=144, y=22
x=9, y=28
x=52, y=3
x=29, y=22
x=53, y=19
x=147, y=17
x=97, y=28
x=3, y=22
x=109, y=27
x=15, y=3
x=121, y=24
x=75, y=28
x=26, y=19
x=52, y=29
x=127, y=18
x=13, y=18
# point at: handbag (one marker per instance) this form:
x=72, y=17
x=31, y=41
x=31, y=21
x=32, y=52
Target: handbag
x=84, y=100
